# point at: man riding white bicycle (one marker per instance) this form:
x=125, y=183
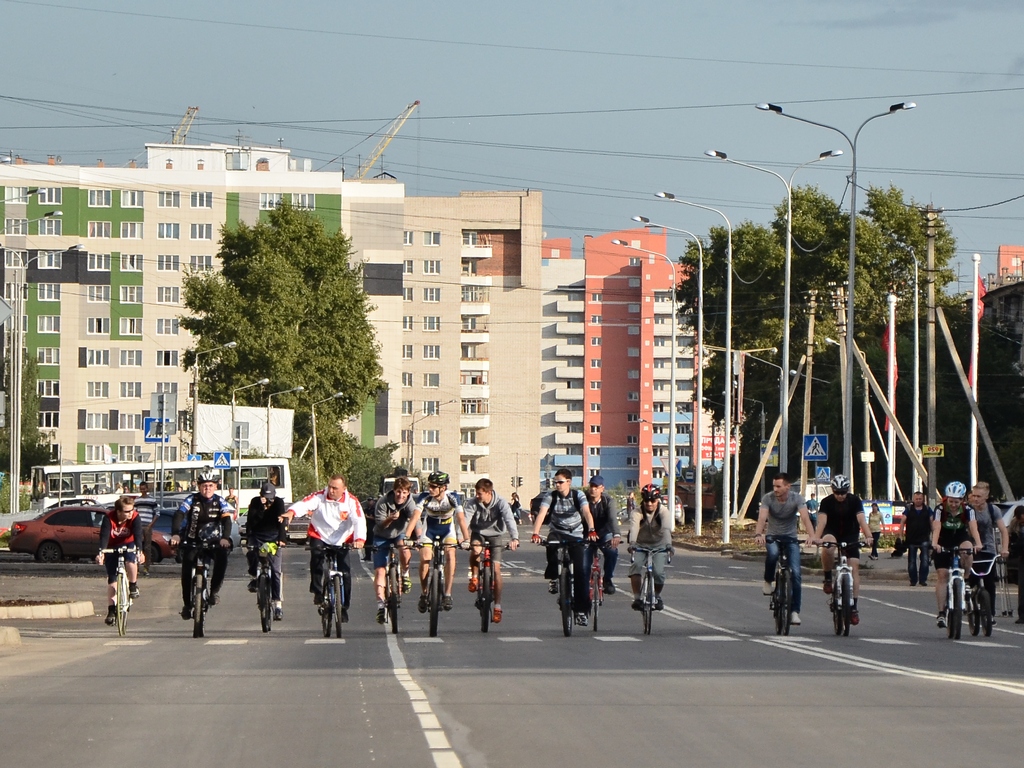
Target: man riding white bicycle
x=121, y=527
x=841, y=520
x=953, y=527
x=442, y=511
x=650, y=527
x=777, y=518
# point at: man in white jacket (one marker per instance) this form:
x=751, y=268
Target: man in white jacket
x=335, y=518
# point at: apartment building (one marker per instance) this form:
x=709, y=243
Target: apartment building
x=607, y=360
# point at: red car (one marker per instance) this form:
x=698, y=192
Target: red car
x=59, y=533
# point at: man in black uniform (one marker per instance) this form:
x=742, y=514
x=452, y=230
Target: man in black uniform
x=201, y=517
x=264, y=524
x=841, y=520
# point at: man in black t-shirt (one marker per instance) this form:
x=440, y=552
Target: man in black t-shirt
x=916, y=532
x=841, y=521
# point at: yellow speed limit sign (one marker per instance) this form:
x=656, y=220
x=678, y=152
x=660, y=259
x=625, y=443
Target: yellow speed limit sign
x=933, y=451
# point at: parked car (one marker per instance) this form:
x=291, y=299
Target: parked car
x=160, y=546
x=64, y=532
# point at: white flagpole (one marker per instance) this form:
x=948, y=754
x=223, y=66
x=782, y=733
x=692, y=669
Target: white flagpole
x=890, y=480
x=976, y=258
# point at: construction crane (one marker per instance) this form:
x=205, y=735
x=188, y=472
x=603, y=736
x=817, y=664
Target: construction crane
x=389, y=133
x=181, y=132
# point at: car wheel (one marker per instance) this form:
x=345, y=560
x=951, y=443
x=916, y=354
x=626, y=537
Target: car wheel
x=154, y=554
x=49, y=552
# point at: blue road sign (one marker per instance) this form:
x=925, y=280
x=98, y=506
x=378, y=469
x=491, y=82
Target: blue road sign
x=824, y=475
x=152, y=431
x=222, y=459
x=815, y=447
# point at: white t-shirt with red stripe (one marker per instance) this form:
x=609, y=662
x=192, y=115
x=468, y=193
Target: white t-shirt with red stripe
x=333, y=522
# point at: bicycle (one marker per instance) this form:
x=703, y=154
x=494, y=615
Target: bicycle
x=122, y=594
x=485, y=585
x=841, y=601
x=781, y=602
x=393, y=586
x=979, y=601
x=332, y=591
x=264, y=584
x=202, y=572
x=435, y=580
x=596, y=587
x=956, y=594
x=564, y=580
x=647, y=595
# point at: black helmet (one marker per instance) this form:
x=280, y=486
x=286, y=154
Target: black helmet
x=650, y=492
x=438, y=478
x=841, y=483
x=207, y=476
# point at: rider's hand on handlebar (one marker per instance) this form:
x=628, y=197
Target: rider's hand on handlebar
x=592, y=536
x=464, y=544
x=535, y=538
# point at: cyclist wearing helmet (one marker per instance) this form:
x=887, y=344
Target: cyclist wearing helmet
x=441, y=511
x=953, y=525
x=201, y=515
x=265, y=524
x=569, y=511
x=121, y=527
x=650, y=526
x=841, y=519
x=777, y=517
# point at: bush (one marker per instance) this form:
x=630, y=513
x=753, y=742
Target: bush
x=5, y=539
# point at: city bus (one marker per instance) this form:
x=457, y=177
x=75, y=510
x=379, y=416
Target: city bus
x=104, y=483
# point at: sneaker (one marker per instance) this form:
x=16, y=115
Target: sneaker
x=924, y=583
x=214, y=598
x=111, y=615
x=252, y=586
x=496, y=616
x=940, y=620
x=659, y=604
x=553, y=587
x=767, y=588
x=474, y=582
x=344, y=615
x=609, y=588
x=406, y=584
x=582, y=619
x=1020, y=620
x=638, y=604
x=133, y=591
x=382, y=615
x=794, y=619
x=913, y=583
x=423, y=604
x=278, y=613
x=186, y=612
x=827, y=587
x=446, y=602
x=854, y=617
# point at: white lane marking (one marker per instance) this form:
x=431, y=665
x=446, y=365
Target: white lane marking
x=886, y=641
x=519, y=639
x=791, y=639
x=700, y=566
x=736, y=567
x=874, y=665
x=675, y=613
x=441, y=750
x=715, y=638
x=984, y=644
x=227, y=642
x=932, y=615
x=617, y=639
x=325, y=641
x=422, y=640
x=128, y=642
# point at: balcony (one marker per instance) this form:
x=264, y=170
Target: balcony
x=565, y=306
x=475, y=420
x=475, y=391
x=564, y=394
x=568, y=417
x=479, y=335
x=569, y=372
x=570, y=350
x=561, y=328
x=474, y=364
x=568, y=438
x=475, y=308
x=663, y=307
x=477, y=252
x=474, y=450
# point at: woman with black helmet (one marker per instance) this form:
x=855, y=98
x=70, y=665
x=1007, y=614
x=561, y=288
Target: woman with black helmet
x=650, y=526
x=841, y=520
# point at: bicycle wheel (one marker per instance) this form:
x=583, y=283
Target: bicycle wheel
x=264, y=600
x=647, y=595
x=327, y=604
x=122, y=602
x=985, y=608
x=846, y=602
x=596, y=593
x=485, y=598
x=565, y=599
x=973, y=613
x=435, y=595
x=956, y=616
x=782, y=598
x=339, y=602
x=394, y=591
x=199, y=602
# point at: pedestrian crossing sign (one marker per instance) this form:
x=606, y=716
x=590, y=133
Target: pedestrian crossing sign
x=824, y=475
x=816, y=448
x=222, y=459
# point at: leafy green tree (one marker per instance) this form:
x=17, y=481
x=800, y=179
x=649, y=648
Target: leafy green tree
x=35, y=446
x=289, y=296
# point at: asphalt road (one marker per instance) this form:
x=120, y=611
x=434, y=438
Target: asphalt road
x=712, y=686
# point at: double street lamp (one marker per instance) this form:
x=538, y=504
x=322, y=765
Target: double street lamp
x=312, y=414
x=783, y=394
x=271, y=396
x=195, y=391
x=851, y=275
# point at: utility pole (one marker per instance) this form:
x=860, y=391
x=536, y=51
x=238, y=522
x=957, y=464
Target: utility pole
x=868, y=466
x=808, y=383
x=931, y=218
x=847, y=397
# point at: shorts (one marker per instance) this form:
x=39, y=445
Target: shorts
x=852, y=550
x=493, y=541
x=947, y=541
x=639, y=565
x=439, y=528
x=110, y=563
x=381, y=549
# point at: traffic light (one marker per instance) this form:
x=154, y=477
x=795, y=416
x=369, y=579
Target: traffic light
x=519, y=482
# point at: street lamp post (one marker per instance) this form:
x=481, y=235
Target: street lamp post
x=698, y=397
x=851, y=275
x=236, y=439
x=783, y=394
x=299, y=388
x=195, y=390
x=312, y=413
x=726, y=477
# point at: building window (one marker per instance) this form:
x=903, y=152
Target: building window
x=304, y=201
x=97, y=420
x=430, y=465
x=469, y=465
x=50, y=195
x=201, y=231
x=48, y=291
x=467, y=437
x=168, y=231
x=633, y=309
x=130, y=326
x=167, y=358
x=431, y=323
x=432, y=295
x=99, y=262
x=167, y=387
x=595, y=385
x=167, y=262
x=632, y=440
x=407, y=323
x=406, y=379
x=97, y=325
x=632, y=351
x=167, y=326
x=170, y=199
x=407, y=351
x=407, y=406
x=407, y=294
x=131, y=358
x=432, y=238
x=633, y=396
x=50, y=259
x=99, y=229
x=431, y=380
x=97, y=389
x=406, y=436
x=15, y=226
x=48, y=355
x=595, y=319
x=131, y=230
x=469, y=267
x=269, y=200
x=594, y=450
x=131, y=262
x=632, y=461
x=594, y=407
x=94, y=453
x=99, y=198
x=166, y=294
x=597, y=297
x=595, y=362
x=131, y=389
x=202, y=263
x=432, y=267
x=407, y=237
x=166, y=452
x=129, y=453
x=431, y=407
x=660, y=386
x=431, y=437
x=49, y=419
x=15, y=195
x=130, y=294
x=407, y=266
x=633, y=330
x=634, y=282
x=634, y=261
x=595, y=429
x=595, y=341
x=131, y=198
x=201, y=199
x=431, y=351
x=127, y=421
x=48, y=387
x=632, y=417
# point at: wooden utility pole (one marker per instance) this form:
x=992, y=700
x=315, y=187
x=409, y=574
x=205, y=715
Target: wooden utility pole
x=808, y=383
x=931, y=219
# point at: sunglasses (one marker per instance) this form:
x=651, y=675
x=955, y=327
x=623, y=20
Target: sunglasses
x=561, y=482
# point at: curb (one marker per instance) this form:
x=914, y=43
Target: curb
x=10, y=637
x=76, y=610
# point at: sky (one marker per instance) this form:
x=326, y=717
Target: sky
x=599, y=105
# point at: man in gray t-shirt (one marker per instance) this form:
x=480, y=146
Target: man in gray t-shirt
x=778, y=515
